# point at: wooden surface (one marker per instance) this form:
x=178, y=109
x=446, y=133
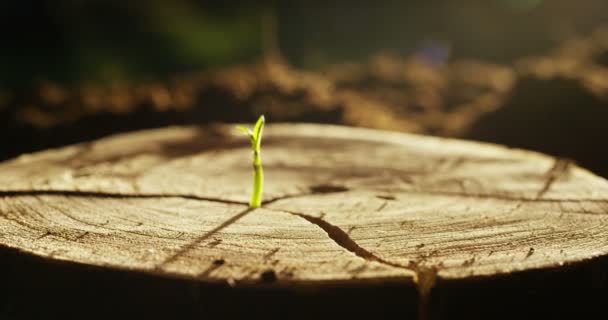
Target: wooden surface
x=342, y=206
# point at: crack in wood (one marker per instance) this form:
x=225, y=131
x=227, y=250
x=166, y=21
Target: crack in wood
x=559, y=168
x=16, y=193
x=204, y=237
x=318, y=189
x=93, y=194
x=381, y=207
x=425, y=277
x=495, y=196
x=342, y=238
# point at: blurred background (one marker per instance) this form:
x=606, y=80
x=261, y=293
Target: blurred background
x=526, y=73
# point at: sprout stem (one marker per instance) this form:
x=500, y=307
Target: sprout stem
x=258, y=173
x=258, y=181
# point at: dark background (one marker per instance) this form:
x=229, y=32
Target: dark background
x=108, y=40
x=527, y=73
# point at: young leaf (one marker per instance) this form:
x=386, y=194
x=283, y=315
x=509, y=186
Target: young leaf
x=246, y=131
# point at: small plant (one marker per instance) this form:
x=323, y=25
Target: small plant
x=258, y=173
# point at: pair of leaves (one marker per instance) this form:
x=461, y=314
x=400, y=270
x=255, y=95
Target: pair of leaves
x=256, y=134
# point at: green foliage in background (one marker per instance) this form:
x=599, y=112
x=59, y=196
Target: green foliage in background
x=112, y=40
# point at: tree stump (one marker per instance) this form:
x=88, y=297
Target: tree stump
x=355, y=223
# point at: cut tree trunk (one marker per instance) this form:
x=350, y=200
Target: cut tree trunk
x=355, y=223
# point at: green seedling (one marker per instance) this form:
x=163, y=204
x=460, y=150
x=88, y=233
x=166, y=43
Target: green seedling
x=258, y=173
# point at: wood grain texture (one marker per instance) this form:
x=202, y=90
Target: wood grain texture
x=341, y=205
